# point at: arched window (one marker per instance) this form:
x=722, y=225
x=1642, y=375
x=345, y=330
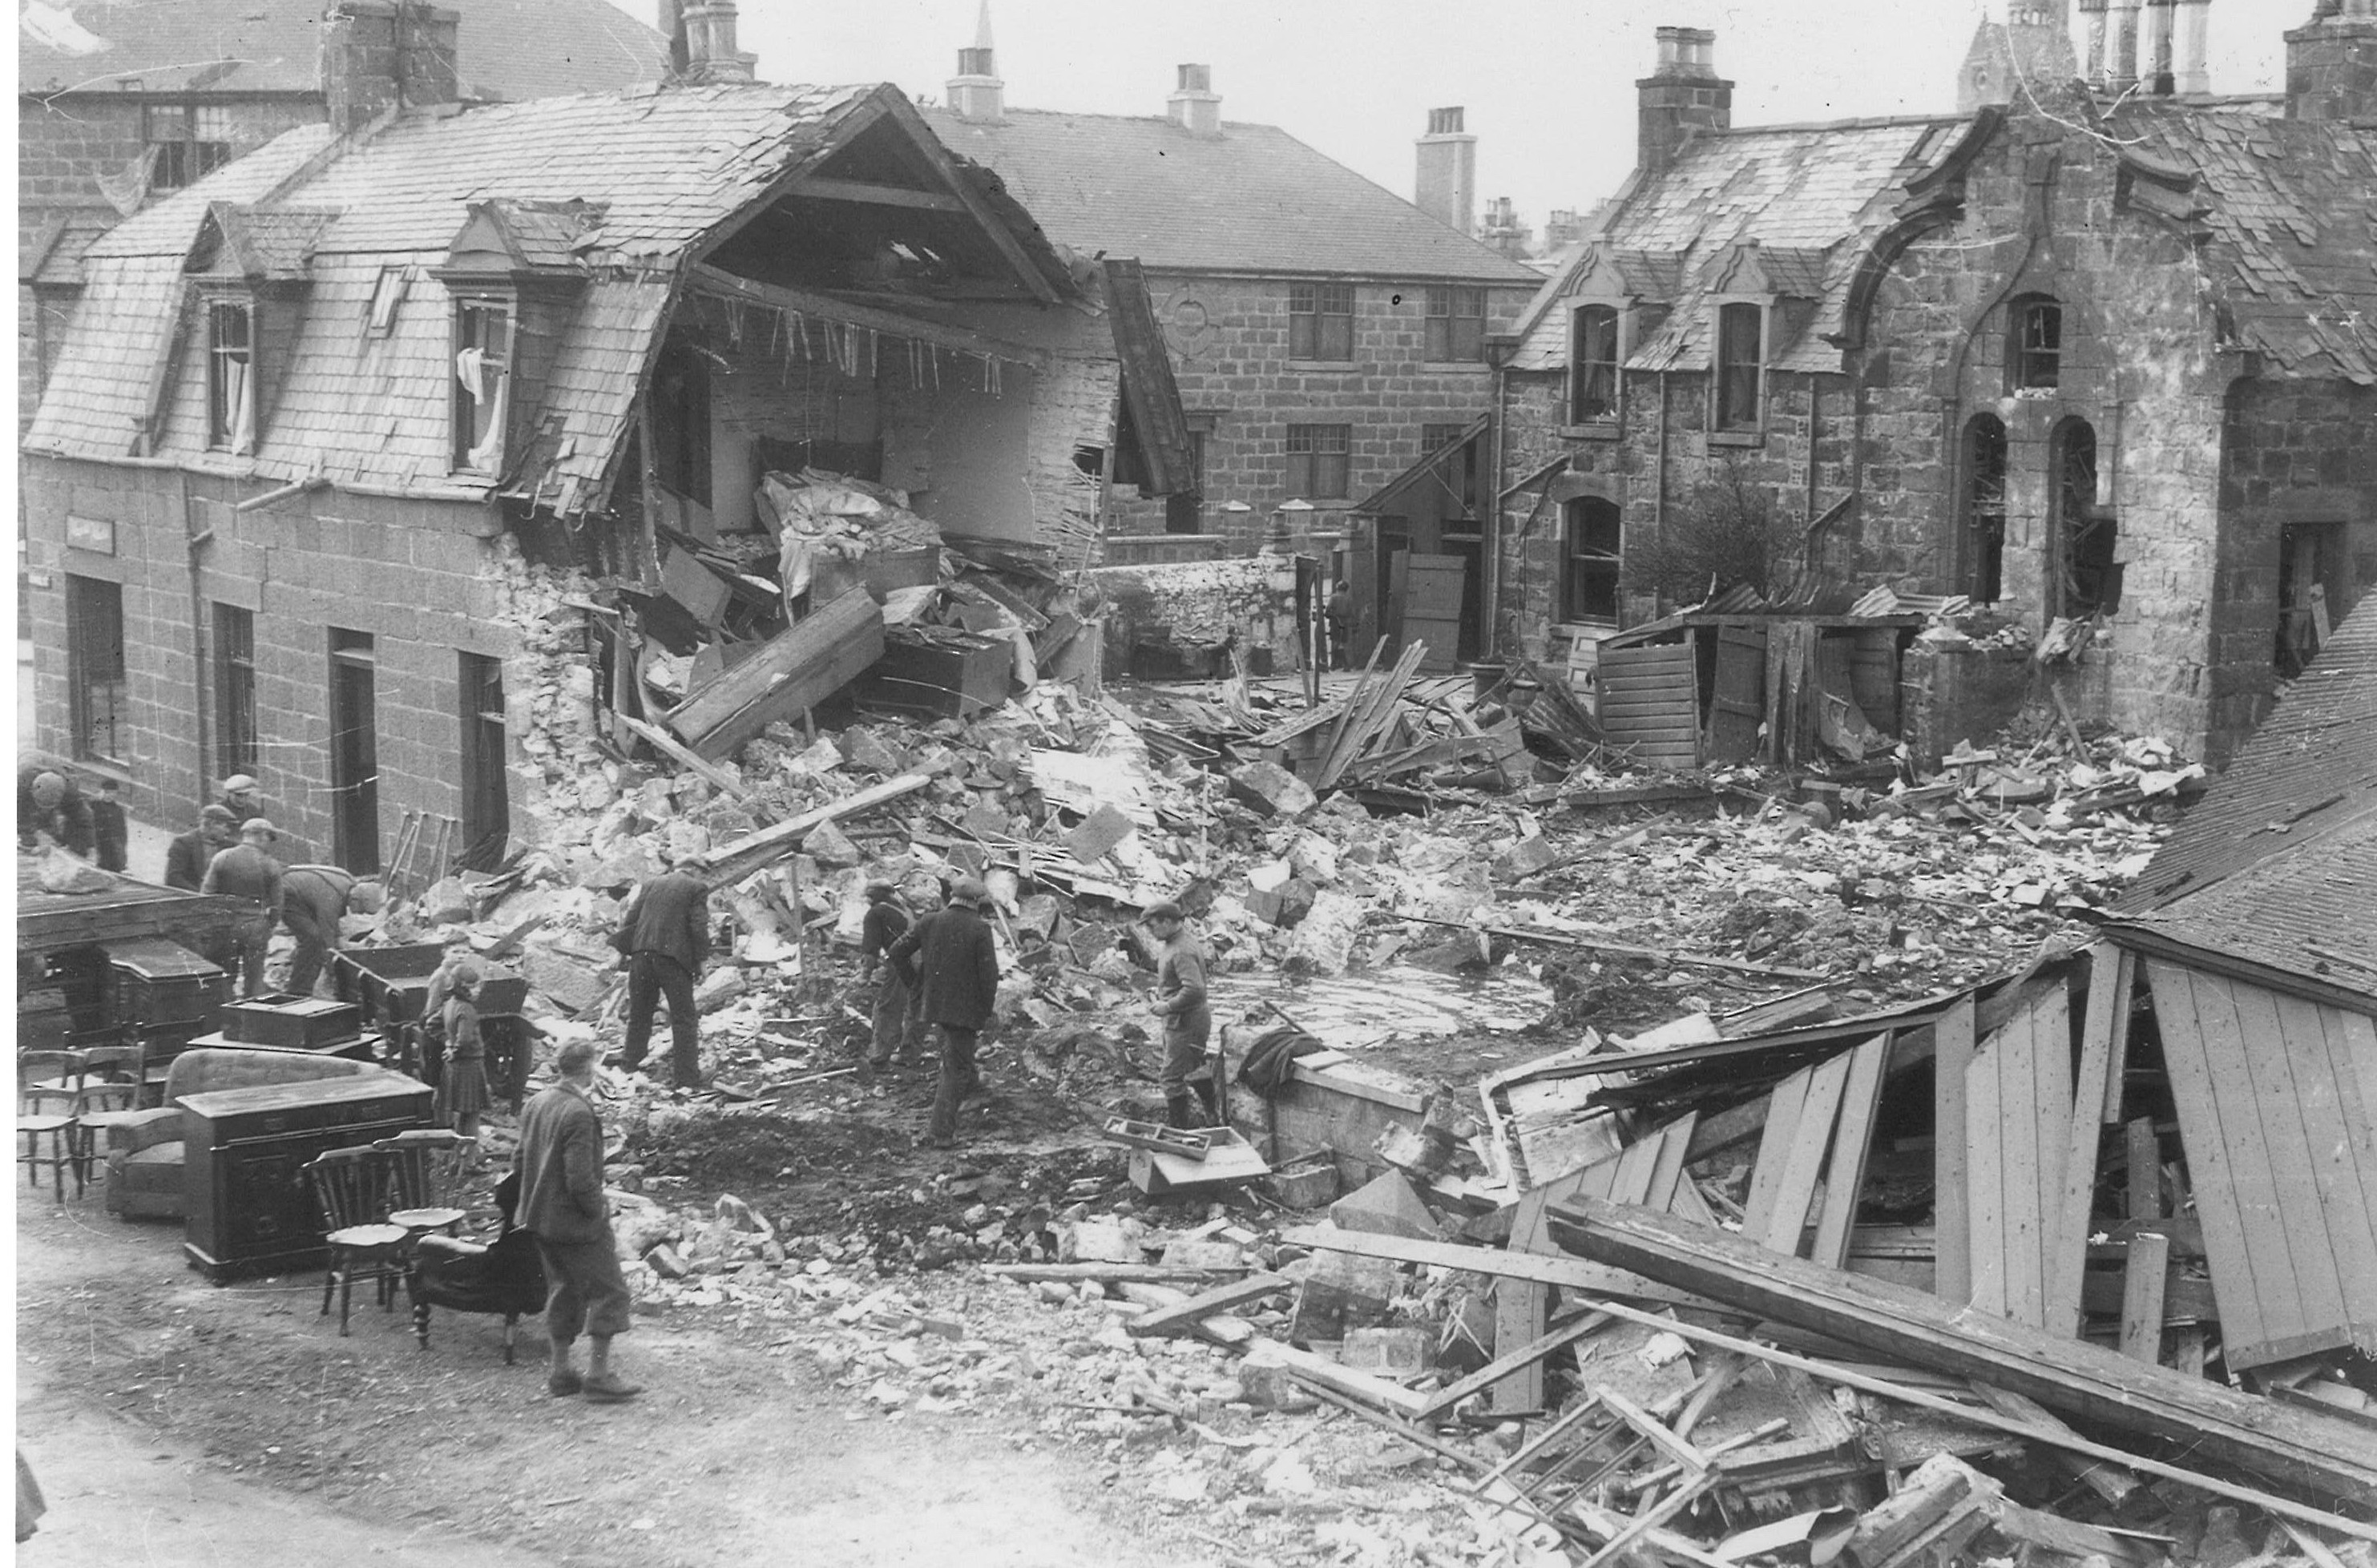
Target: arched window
x=1593, y=366
x=1589, y=558
x=2088, y=579
x=2034, y=343
x=1982, y=552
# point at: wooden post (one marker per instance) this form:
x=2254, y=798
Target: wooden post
x=2142, y=1297
x=2145, y=1170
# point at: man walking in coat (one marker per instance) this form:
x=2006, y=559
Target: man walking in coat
x=951, y=960
x=898, y=1029
x=666, y=935
x=1181, y=1002
x=190, y=854
x=313, y=900
x=247, y=870
x=563, y=1205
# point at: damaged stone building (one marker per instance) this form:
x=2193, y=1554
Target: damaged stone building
x=118, y=107
x=365, y=452
x=2100, y=352
x=1325, y=333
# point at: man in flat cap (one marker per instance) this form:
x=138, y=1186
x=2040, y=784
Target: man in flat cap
x=1180, y=1002
x=48, y=802
x=239, y=797
x=313, y=900
x=190, y=854
x=950, y=961
x=247, y=870
x=899, y=1030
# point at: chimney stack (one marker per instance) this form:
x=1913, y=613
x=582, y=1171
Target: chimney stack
x=2093, y=60
x=378, y=55
x=2155, y=47
x=1196, y=107
x=2332, y=63
x=2189, y=76
x=1683, y=97
x=703, y=43
x=2122, y=45
x=975, y=93
x=1446, y=186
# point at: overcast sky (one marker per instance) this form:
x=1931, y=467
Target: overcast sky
x=1548, y=84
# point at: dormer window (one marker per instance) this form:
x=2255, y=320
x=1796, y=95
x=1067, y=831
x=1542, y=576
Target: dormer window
x=2035, y=354
x=1593, y=365
x=1741, y=391
x=482, y=375
x=231, y=376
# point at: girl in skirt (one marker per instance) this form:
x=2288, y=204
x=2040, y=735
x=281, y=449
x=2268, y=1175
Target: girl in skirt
x=462, y=1086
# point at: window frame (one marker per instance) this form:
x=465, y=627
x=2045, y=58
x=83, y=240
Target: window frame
x=227, y=430
x=179, y=155
x=1317, y=460
x=1983, y=565
x=1463, y=465
x=2031, y=365
x=1460, y=338
x=1320, y=322
x=238, y=738
x=1726, y=367
x=92, y=690
x=473, y=450
x=1577, y=556
x=1615, y=364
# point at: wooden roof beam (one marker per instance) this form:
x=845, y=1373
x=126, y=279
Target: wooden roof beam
x=726, y=285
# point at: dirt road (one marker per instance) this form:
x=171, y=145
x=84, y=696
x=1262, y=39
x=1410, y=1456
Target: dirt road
x=175, y=1422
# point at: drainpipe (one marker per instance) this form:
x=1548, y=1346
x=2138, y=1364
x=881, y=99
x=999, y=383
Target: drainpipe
x=1658, y=478
x=1813, y=433
x=196, y=539
x=1492, y=521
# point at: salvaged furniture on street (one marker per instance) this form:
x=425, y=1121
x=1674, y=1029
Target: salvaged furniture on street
x=352, y=1188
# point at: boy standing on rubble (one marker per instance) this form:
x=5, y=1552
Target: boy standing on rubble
x=1181, y=1002
x=897, y=1030
x=951, y=960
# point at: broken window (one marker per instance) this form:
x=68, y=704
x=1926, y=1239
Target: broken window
x=1320, y=321
x=1985, y=509
x=1593, y=366
x=388, y=292
x=2036, y=356
x=483, y=361
x=230, y=377
x=1320, y=461
x=1456, y=325
x=235, y=733
x=187, y=142
x=2311, y=559
x=1590, y=560
x=2088, y=579
x=96, y=695
x=1740, y=333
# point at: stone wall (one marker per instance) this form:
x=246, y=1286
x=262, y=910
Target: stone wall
x=1177, y=620
x=65, y=145
x=1236, y=369
x=414, y=574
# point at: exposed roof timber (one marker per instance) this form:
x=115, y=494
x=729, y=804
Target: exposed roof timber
x=726, y=286
x=821, y=188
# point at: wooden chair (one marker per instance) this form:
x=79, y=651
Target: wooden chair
x=107, y=1089
x=352, y=1188
x=48, y=1136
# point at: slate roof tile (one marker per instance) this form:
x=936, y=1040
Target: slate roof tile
x=1252, y=199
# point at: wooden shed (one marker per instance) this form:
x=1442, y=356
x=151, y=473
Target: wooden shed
x=1709, y=688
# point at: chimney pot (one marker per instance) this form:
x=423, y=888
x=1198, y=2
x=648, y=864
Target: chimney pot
x=1683, y=97
x=2189, y=78
x=1195, y=106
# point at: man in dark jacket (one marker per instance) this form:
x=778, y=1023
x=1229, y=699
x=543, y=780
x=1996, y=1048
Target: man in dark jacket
x=899, y=1030
x=313, y=900
x=563, y=1205
x=248, y=871
x=1188, y=1020
x=111, y=829
x=48, y=802
x=190, y=854
x=664, y=935
x=951, y=960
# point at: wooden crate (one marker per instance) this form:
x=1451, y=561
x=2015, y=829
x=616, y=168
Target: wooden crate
x=950, y=679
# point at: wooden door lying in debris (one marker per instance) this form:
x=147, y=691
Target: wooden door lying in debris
x=1739, y=705
x=2017, y=1107
x=2278, y=1107
x=1433, y=588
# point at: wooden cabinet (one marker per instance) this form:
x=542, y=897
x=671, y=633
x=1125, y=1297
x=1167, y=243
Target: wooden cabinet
x=251, y=1209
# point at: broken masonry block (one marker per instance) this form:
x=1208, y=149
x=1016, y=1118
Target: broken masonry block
x=1385, y=1206
x=830, y=846
x=664, y=1261
x=1392, y=1352
x=1098, y=834
x=1271, y=790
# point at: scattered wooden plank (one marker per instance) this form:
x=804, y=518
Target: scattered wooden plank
x=1654, y=1431
x=1953, y=1037
x=1852, y=1142
x=1503, y=1365
x=2146, y=1170
x=2142, y=1290
x=2108, y=1481
x=1652, y=1517
x=668, y=746
x=749, y=853
x=1104, y=1272
x=1519, y=1309
x=1803, y=1165
x=1785, y=1104
x=2109, y=978
x=1618, y=949
x=790, y=673
x=2344, y=1474
x=1318, y=1371
x=1939, y=1500
x=1189, y=1313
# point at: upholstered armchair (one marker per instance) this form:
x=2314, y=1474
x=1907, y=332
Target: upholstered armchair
x=144, y=1148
